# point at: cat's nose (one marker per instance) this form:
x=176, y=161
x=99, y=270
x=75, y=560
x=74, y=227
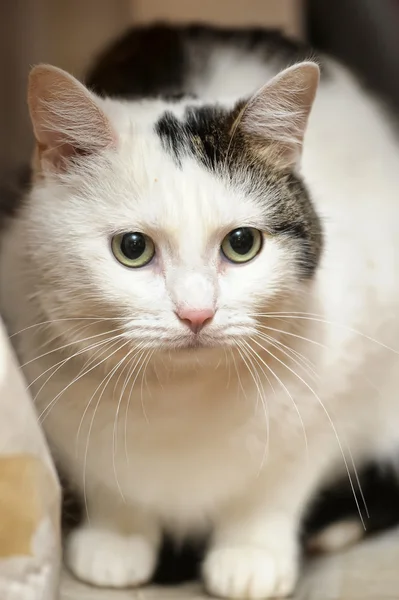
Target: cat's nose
x=196, y=319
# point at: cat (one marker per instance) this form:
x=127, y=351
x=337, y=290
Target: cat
x=202, y=288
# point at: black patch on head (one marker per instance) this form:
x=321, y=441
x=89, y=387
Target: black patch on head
x=172, y=135
x=204, y=133
x=157, y=60
x=208, y=130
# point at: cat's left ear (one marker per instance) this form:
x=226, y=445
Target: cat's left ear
x=67, y=118
x=275, y=118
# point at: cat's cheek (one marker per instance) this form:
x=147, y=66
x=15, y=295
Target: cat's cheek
x=158, y=267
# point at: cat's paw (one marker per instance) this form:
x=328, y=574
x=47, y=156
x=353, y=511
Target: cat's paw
x=250, y=573
x=107, y=559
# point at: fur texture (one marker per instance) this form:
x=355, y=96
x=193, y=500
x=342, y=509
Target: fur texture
x=229, y=430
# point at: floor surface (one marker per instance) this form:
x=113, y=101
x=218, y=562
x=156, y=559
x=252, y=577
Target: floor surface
x=369, y=571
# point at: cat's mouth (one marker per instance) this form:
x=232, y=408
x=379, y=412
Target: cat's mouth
x=194, y=345
x=201, y=342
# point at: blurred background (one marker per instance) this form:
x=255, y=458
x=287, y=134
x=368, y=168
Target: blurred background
x=68, y=33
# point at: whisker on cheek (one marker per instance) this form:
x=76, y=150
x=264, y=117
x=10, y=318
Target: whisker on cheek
x=81, y=374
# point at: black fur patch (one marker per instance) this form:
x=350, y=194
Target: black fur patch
x=145, y=62
x=172, y=134
x=380, y=488
x=156, y=60
x=204, y=133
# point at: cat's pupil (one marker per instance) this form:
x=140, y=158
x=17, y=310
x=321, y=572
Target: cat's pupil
x=133, y=245
x=241, y=240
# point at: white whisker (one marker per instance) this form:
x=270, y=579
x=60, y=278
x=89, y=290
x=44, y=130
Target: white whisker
x=289, y=353
x=327, y=322
x=54, y=400
x=104, y=381
x=321, y=404
x=144, y=380
x=130, y=368
x=294, y=335
x=69, y=344
x=287, y=392
x=260, y=391
x=53, y=321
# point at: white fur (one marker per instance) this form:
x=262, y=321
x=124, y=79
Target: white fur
x=337, y=536
x=106, y=558
x=198, y=442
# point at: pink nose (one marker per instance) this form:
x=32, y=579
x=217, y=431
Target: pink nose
x=195, y=319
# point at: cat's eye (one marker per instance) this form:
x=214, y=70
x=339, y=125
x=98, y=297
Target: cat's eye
x=133, y=249
x=242, y=245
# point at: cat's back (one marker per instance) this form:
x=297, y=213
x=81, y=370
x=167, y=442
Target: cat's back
x=200, y=60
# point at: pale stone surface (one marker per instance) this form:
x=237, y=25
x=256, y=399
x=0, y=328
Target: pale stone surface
x=369, y=571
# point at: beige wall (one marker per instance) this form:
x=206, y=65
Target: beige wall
x=80, y=28
x=64, y=32
x=282, y=14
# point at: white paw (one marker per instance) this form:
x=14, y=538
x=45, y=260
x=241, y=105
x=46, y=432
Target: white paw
x=107, y=559
x=248, y=572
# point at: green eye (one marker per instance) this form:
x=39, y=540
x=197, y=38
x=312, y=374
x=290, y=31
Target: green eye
x=133, y=249
x=242, y=245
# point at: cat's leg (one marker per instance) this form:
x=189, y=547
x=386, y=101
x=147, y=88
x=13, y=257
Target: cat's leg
x=255, y=550
x=257, y=557
x=117, y=547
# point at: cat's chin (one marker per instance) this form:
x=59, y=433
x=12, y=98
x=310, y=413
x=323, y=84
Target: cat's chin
x=195, y=345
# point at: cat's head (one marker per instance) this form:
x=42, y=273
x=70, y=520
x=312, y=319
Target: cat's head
x=184, y=224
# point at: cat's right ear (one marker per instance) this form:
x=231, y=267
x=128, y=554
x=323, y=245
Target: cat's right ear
x=66, y=117
x=276, y=117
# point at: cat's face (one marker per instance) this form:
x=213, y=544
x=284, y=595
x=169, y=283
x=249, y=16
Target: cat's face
x=179, y=232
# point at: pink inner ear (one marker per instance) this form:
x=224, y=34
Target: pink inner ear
x=279, y=112
x=67, y=119
x=58, y=154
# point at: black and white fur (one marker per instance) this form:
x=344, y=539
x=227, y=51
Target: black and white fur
x=229, y=431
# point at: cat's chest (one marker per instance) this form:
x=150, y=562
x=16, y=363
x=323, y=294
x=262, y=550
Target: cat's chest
x=198, y=461
x=164, y=446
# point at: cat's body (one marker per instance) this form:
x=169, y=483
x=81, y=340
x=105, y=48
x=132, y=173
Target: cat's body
x=195, y=439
